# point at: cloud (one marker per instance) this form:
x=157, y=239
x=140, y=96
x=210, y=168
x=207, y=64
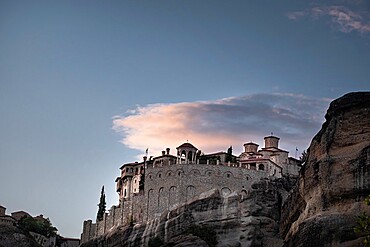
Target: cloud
x=340, y=18
x=215, y=125
x=296, y=15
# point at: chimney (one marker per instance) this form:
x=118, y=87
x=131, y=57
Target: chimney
x=145, y=158
x=168, y=151
x=163, y=153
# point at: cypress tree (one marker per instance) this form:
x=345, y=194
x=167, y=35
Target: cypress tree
x=101, y=205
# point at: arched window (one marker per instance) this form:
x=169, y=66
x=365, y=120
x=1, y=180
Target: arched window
x=225, y=191
x=190, y=156
x=252, y=166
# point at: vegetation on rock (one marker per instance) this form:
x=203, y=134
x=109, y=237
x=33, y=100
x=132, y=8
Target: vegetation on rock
x=363, y=225
x=43, y=227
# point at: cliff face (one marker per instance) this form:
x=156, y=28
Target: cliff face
x=13, y=236
x=322, y=208
x=247, y=219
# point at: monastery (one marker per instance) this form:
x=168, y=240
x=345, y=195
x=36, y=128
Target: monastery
x=149, y=188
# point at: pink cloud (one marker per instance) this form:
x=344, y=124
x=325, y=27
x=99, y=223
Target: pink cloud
x=341, y=18
x=347, y=21
x=215, y=125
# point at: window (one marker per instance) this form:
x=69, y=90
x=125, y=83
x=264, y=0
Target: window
x=252, y=166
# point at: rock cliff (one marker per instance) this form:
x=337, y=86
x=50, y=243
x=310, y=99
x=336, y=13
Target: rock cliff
x=247, y=219
x=13, y=236
x=322, y=209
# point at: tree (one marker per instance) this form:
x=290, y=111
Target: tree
x=229, y=156
x=101, y=205
x=43, y=227
x=363, y=224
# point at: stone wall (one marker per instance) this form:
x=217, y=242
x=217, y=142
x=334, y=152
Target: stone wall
x=127, y=213
x=170, y=186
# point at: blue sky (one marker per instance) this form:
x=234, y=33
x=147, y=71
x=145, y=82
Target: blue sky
x=88, y=85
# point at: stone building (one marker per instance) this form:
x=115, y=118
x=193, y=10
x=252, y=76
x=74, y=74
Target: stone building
x=147, y=189
x=2, y=210
x=20, y=214
x=6, y=219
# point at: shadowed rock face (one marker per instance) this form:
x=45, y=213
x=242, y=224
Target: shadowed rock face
x=13, y=236
x=322, y=209
x=248, y=219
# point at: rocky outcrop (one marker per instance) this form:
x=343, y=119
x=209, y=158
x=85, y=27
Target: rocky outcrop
x=250, y=218
x=13, y=236
x=322, y=209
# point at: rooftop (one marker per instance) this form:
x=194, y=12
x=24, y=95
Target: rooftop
x=186, y=145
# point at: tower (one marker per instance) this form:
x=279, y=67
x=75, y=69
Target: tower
x=186, y=153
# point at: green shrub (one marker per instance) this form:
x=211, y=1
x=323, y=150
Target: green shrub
x=363, y=224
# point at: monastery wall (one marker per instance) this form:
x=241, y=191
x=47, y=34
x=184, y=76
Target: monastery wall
x=169, y=186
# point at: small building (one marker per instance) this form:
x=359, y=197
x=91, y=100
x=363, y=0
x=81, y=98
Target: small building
x=70, y=242
x=7, y=220
x=2, y=210
x=20, y=214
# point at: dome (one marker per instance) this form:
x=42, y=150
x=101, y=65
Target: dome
x=186, y=145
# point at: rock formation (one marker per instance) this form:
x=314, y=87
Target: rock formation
x=322, y=209
x=13, y=236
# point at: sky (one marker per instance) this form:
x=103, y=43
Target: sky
x=86, y=86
